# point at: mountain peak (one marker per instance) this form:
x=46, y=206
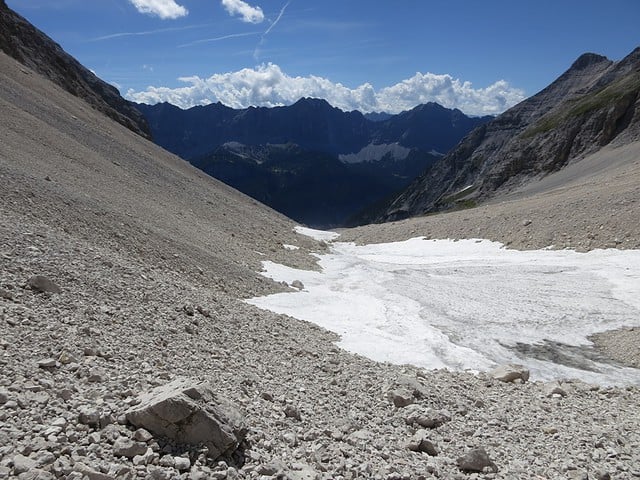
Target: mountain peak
x=586, y=60
x=313, y=102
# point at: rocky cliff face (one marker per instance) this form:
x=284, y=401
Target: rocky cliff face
x=592, y=104
x=31, y=47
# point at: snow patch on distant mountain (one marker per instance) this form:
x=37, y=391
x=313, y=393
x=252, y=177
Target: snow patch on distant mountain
x=375, y=153
x=257, y=153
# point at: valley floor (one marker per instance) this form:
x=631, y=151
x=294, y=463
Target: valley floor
x=123, y=325
x=471, y=305
x=154, y=259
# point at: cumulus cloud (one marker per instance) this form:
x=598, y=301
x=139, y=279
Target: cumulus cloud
x=268, y=86
x=246, y=12
x=165, y=9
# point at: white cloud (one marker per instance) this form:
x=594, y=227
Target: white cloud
x=165, y=9
x=248, y=13
x=268, y=86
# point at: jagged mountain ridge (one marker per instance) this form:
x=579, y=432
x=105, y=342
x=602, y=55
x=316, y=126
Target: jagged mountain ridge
x=311, y=123
x=594, y=102
x=343, y=162
x=34, y=49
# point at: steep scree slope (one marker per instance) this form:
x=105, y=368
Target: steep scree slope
x=31, y=47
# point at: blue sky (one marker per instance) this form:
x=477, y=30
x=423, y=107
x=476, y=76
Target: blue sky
x=479, y=56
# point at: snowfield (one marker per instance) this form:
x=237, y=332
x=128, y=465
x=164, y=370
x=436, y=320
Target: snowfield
x=469, y=304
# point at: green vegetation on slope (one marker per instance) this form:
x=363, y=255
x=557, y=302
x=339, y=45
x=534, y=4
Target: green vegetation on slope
x=609, y=95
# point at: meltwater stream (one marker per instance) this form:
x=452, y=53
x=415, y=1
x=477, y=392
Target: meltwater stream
x=469, y=305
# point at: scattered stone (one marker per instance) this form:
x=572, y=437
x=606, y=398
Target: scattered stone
x=554, y=388
x=89, y=416
x=6, y=294
x=4, y=397
x=577, y=475
x=96, y=375
x=190, y=413
x=297, y=284
x=142, y=435
x=420, y=443
x=125, y=447
x=401, y=398
x=22, y=464
x=182, y=464
x=270, y=469
x=158, y=474
x=302, y=472
x=428, y=418
x=36, y=474
x=48, y=363
x=476, y=460
x=292, y=412
x=65, y=358
x=90, y=473
x=510, y=373
x=189, y=310
x=41, y=284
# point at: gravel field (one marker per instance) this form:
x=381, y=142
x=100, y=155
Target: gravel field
x=149, y=261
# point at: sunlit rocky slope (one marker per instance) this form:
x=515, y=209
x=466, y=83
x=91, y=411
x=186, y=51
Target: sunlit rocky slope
x=593, y=104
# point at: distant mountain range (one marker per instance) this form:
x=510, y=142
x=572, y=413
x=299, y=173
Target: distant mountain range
x=311, y=161
x=595, y=102
x=31, y=47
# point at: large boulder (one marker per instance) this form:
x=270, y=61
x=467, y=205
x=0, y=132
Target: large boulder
x=192, y=413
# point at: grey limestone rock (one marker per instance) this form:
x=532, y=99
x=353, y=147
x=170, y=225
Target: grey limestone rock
x=90, y=473
x=420, y=443
x=292, y=412
x=476, y=460
x=125, y=447
x=510, y=373
x=401, y=398
x=23, y=464
x=190, y=413
x=42, y=284
x=89, y=416
x=182, y=464
x=142, y=435
x=554, y=388
x=428, y=418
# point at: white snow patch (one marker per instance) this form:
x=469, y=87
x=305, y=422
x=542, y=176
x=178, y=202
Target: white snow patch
x=320, y=235
x=466, y=305
x=290, y=247
x=375, y=153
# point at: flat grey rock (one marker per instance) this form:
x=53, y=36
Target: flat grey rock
x=190, y=413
